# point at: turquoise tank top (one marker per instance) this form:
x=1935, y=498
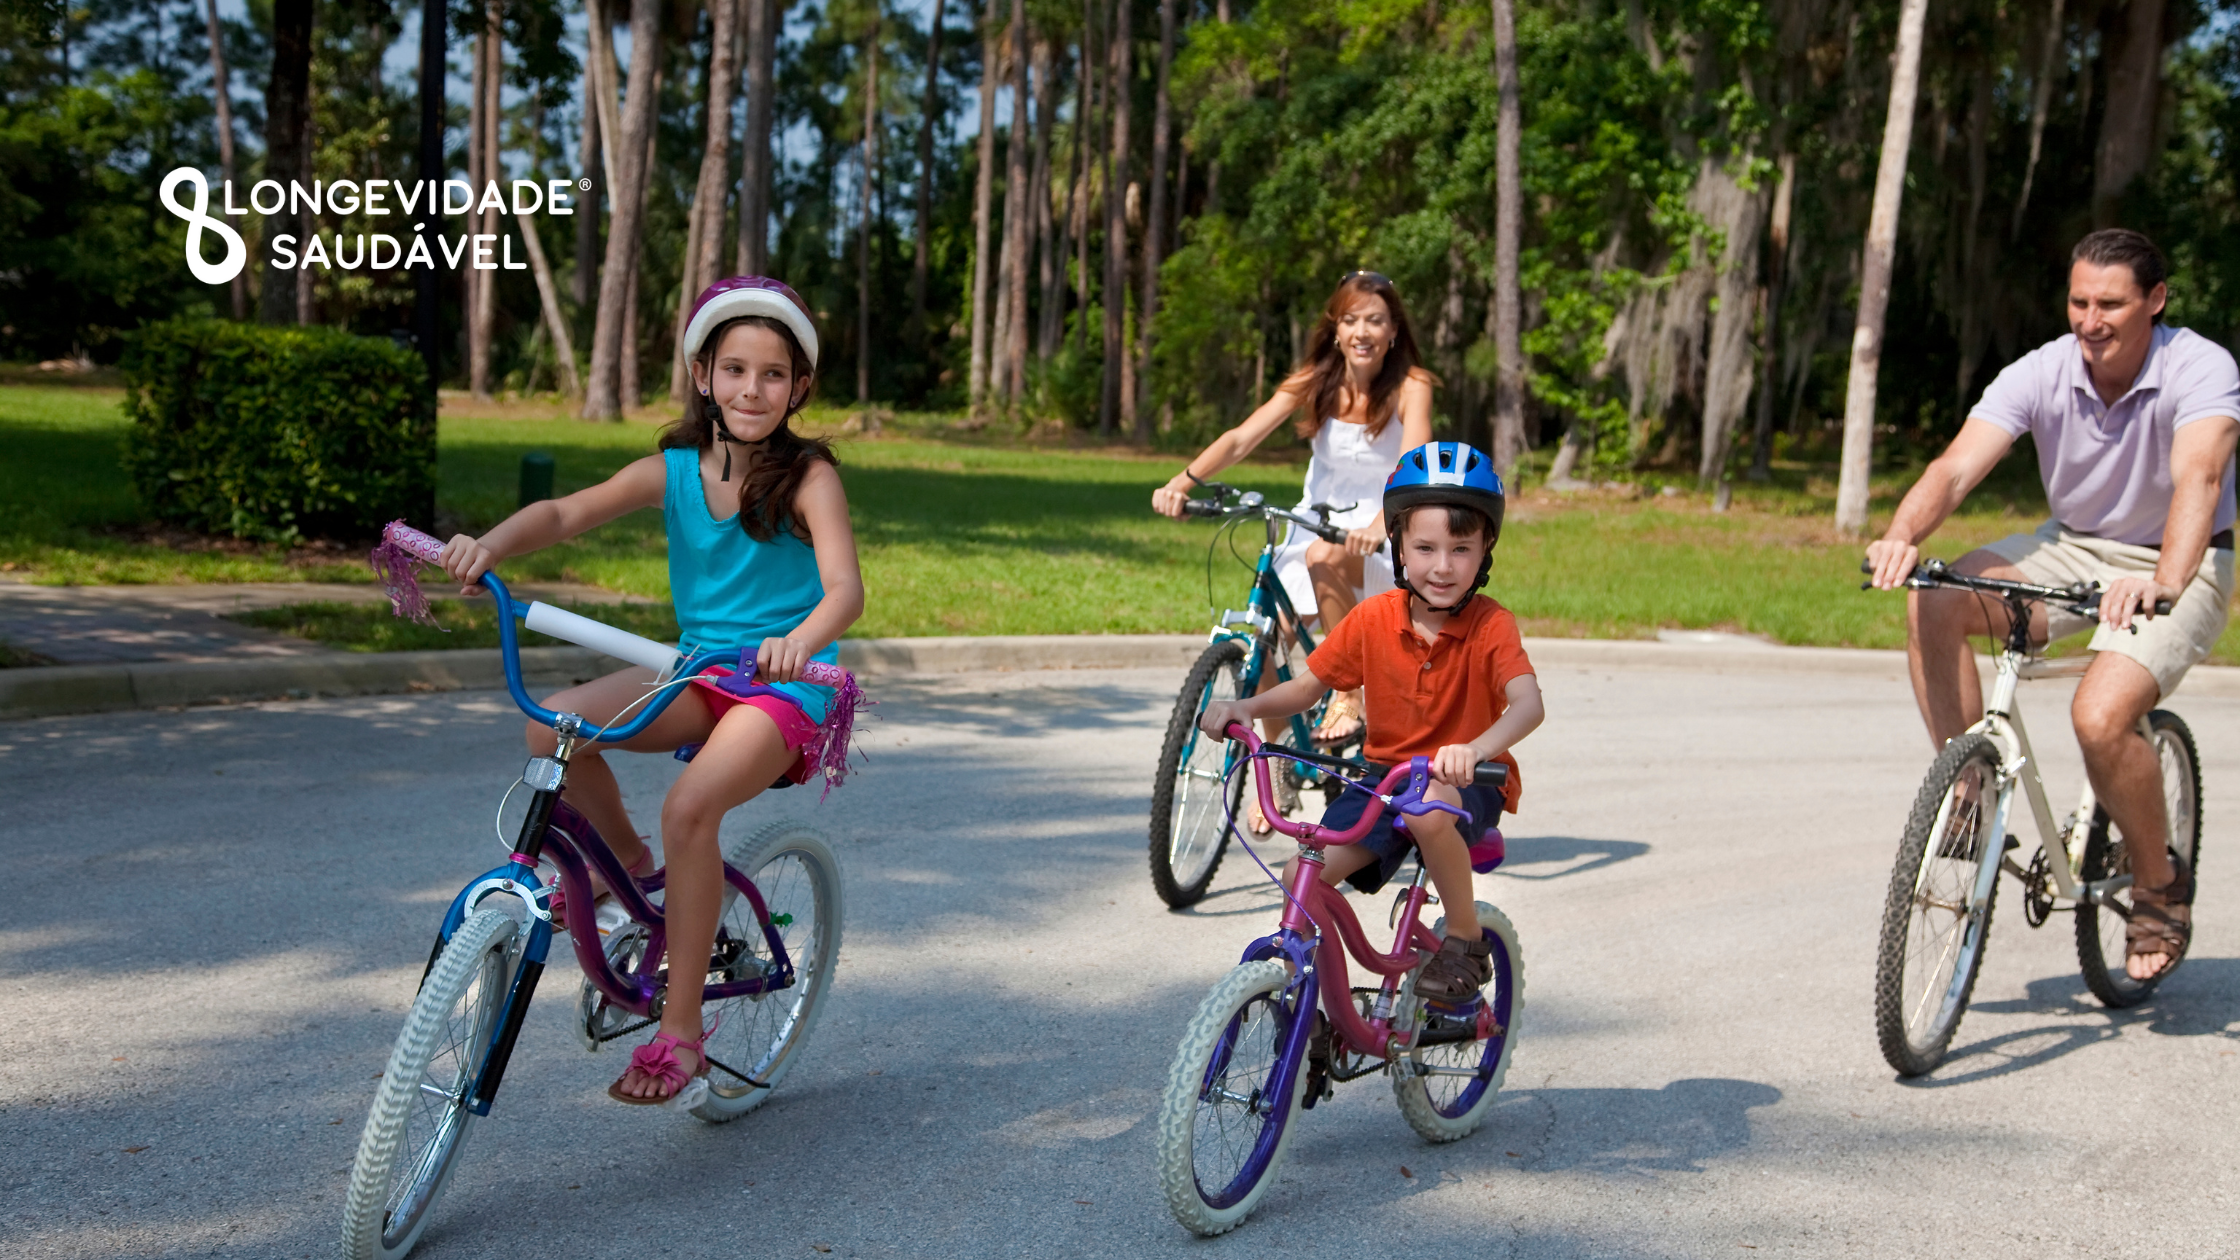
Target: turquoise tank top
x=730, y=590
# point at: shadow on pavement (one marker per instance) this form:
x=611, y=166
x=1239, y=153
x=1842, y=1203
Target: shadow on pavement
x=2201, y=1000
x=1674, y=1129
x=1566, y=855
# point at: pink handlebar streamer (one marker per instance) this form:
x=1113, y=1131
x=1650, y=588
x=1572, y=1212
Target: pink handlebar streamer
x=402, y=549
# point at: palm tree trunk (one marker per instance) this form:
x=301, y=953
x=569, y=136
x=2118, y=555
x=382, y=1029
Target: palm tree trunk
x=870, y=184
x=1117, y=406
x=1049, y=235
x=1508, y=220
x=705, y=234
x=1018, y=215
x=1874, y=273
x=1769, y=334
x=287, y=108
x=240, y=291
x=983, y=196
x=763, y=21
x=930, y=120
x=608, y=393
x=2134, y=72
x=489, y=63
x=587, y=206
x=1085, y=133
x=548, y=297
x=1155, y=222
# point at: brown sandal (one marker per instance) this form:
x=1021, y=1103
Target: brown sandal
x=1457, y=972
x=2153, y=928
x=1342, y=722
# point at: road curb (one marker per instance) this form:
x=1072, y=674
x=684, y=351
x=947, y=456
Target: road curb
x=67, y=689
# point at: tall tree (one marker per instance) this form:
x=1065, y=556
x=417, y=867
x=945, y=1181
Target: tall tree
x=704, y=235
x=427, y=313
x=1508, y=228
x=1116, y=407
x=287, y=116
x=224, y=95
x=870, y=186
x=2133, y=62
x=1874, y=272
x=983, y=196
x=1018, y=217
x=482, y=168
x=604, y=395
x=591, y=157
x=1087, y=127
x=930, y=121
x=1769, y=335
x=1155, y=223
x=1049, y=226
x=764, y=17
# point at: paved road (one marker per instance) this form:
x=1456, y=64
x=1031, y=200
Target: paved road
x=212, y=921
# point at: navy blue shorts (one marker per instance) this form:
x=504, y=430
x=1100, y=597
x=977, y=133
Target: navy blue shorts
x=1390, y=847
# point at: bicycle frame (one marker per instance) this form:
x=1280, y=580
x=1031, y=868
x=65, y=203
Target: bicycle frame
x=1267, y=612
x=2002, y=724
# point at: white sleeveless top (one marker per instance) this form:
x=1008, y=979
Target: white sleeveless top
x=1348, y=467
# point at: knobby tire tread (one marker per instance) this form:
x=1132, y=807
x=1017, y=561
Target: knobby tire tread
x=1897, y=912
x=1180, y=722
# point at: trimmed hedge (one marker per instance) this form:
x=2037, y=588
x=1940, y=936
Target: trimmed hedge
x=278, y=434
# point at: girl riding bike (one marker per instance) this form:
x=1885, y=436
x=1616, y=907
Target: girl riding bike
x=1360, y=375
x=760, y=552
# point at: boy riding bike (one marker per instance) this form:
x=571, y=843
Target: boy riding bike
x=1444, y=675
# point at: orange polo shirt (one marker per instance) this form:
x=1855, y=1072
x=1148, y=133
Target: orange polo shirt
x=1422, y=696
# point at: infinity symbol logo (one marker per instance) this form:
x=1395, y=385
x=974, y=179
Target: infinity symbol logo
x=237, y=253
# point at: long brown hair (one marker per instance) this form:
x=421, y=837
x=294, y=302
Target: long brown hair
x=776, y=466
x=1323, y=373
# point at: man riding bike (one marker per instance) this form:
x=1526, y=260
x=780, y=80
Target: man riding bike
x=2135, y=424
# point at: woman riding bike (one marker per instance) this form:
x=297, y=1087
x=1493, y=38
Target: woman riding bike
x=1361, y=373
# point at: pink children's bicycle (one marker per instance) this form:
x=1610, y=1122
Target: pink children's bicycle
x=1285, y=1026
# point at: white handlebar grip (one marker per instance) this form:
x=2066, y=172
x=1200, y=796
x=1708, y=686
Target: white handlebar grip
x=543, y=618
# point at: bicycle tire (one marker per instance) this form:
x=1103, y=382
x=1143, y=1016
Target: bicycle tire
x=761, y=1037
x=1444, y=1108
x=2100, y=932
x=1189, y=828
x=411, y=1143
x=1927, y=910
x=1236, y=1039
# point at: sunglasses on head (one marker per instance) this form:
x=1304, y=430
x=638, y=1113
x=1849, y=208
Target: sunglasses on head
x=1372, y=276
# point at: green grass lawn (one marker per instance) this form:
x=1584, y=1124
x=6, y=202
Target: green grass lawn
x=975, y=534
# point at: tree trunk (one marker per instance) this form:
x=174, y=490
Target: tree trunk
x=483, y=295
x=2133, y=56
x=287, y=107
x=983, y=195
x=427, y=305
x=548, y=296
x=1118, y=404
x=1155, y=221
x=1508, y=220
x=607, y=394
x=930, y=120
x=306, y=308
x=629, y=390
x=1085, y=133
x=1874, y=272
x=240, y=290
x=764, y=17
x=2041, y=101
x=870, y=182
x=600, y=64
x=1018, y=221
x=1769, y=329
x=1048, y=225
x=1727, y=367
x=704, y=238
x=587, y=206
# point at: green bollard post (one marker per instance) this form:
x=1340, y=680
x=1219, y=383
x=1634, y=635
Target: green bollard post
x=536, y=477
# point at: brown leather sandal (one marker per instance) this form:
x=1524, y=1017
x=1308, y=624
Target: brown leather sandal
x=2162, y=925
x=1457, y=972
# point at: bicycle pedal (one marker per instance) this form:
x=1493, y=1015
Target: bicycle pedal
x=2011, y=845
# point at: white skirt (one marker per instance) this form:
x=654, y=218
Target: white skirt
x=1291, y=569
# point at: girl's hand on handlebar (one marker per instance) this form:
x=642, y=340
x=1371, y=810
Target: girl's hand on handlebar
x=1455, y=765
x=1891, y=561
x=465, y=560
x=1168, y=500
x=780, y=660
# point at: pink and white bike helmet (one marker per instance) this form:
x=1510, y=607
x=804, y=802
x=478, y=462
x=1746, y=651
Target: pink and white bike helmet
x=741, y=296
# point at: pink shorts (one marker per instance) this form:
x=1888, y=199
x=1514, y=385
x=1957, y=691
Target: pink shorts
x=794, y=726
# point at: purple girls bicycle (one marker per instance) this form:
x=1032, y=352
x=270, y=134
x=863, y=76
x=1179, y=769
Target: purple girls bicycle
x=775, y=948
x=1285, y=1025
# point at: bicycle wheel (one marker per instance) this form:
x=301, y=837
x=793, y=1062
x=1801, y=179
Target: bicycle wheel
x=2100, y=931
x=420, y=1118
x=1932, y=932
x=760, y=1037
x=1193, y=796
x=1222, y=1128
x=1445, y=1086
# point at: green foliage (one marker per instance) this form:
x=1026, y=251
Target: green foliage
x=278, y=434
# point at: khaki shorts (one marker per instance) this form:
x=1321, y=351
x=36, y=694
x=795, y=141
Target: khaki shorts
x=2168, y=646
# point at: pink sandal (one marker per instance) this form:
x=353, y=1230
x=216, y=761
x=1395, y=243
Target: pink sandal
x=659, y=1061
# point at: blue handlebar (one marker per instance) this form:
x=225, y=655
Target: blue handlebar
x=509, y=642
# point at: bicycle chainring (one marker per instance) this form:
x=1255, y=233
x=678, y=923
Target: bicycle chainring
x=2037, y=890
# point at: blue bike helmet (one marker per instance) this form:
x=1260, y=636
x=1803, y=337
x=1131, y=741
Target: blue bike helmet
x=1453, y=474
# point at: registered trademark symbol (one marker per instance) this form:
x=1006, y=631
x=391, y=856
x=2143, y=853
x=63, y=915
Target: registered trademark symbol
x=584, y=184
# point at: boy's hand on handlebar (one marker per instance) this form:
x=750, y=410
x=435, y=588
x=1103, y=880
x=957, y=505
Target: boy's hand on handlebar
x=465, y=560
x=1455, y=765
x=780, y=660
x=2127, y=598
x=1890, y=561
x=1217, y=716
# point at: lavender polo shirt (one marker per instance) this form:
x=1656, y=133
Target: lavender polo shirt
x=2107, y=469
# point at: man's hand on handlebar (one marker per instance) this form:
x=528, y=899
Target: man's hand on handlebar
x=1890, y=561
x=2130, y=597
x=465, y=560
